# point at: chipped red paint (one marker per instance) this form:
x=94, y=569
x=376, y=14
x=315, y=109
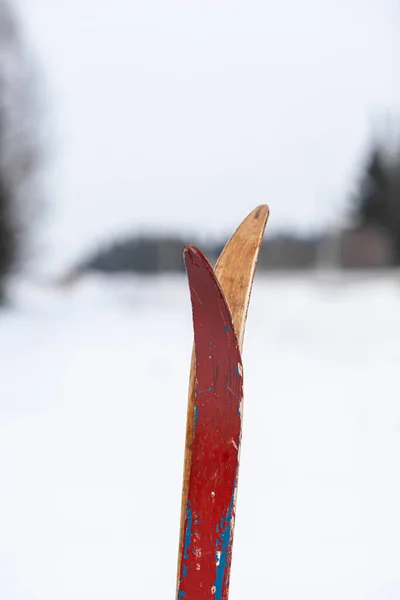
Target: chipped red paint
x=210, y=511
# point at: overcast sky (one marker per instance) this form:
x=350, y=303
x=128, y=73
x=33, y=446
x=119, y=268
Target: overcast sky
x=187, y=113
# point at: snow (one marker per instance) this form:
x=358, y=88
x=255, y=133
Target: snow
x=92, y=425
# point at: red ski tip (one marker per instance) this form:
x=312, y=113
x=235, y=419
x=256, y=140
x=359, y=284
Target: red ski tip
x=194, y=255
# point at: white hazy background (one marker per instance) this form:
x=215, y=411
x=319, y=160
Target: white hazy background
x=187, y=114
x=183, y=116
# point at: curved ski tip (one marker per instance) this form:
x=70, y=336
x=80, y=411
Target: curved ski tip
x=190, y=250
x=261, y=211
x=194, y=255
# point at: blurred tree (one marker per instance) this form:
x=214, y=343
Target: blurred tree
x=373, y=196
x=19, y=145
x=377, y=201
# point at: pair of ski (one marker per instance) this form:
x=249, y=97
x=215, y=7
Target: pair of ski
x=220, y=300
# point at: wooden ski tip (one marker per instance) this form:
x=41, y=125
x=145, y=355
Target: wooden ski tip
x=236, y=266
x=260, y=212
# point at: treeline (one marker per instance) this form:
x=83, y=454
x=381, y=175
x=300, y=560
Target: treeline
x=156, y=254
x=371, y=240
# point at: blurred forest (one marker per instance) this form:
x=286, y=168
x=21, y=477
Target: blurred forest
x=370, y=241
x=19, y=147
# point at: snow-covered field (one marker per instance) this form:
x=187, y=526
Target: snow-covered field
x=93, y=384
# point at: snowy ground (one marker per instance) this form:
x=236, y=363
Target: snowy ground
x=92, y=418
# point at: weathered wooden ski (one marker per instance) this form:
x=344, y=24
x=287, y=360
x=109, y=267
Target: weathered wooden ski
x=235, y=272
x=210, y=509
x=236, y=266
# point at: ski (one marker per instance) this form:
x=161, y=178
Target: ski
x=235, y=272
x=236, y=266
x=210, y=508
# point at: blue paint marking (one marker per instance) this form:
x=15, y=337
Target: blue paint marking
x=227, y=329
x=196, y=414
x=188, y=539
x=209, y=389
x=181, y=593
x=224, y=540
x=188, y=532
